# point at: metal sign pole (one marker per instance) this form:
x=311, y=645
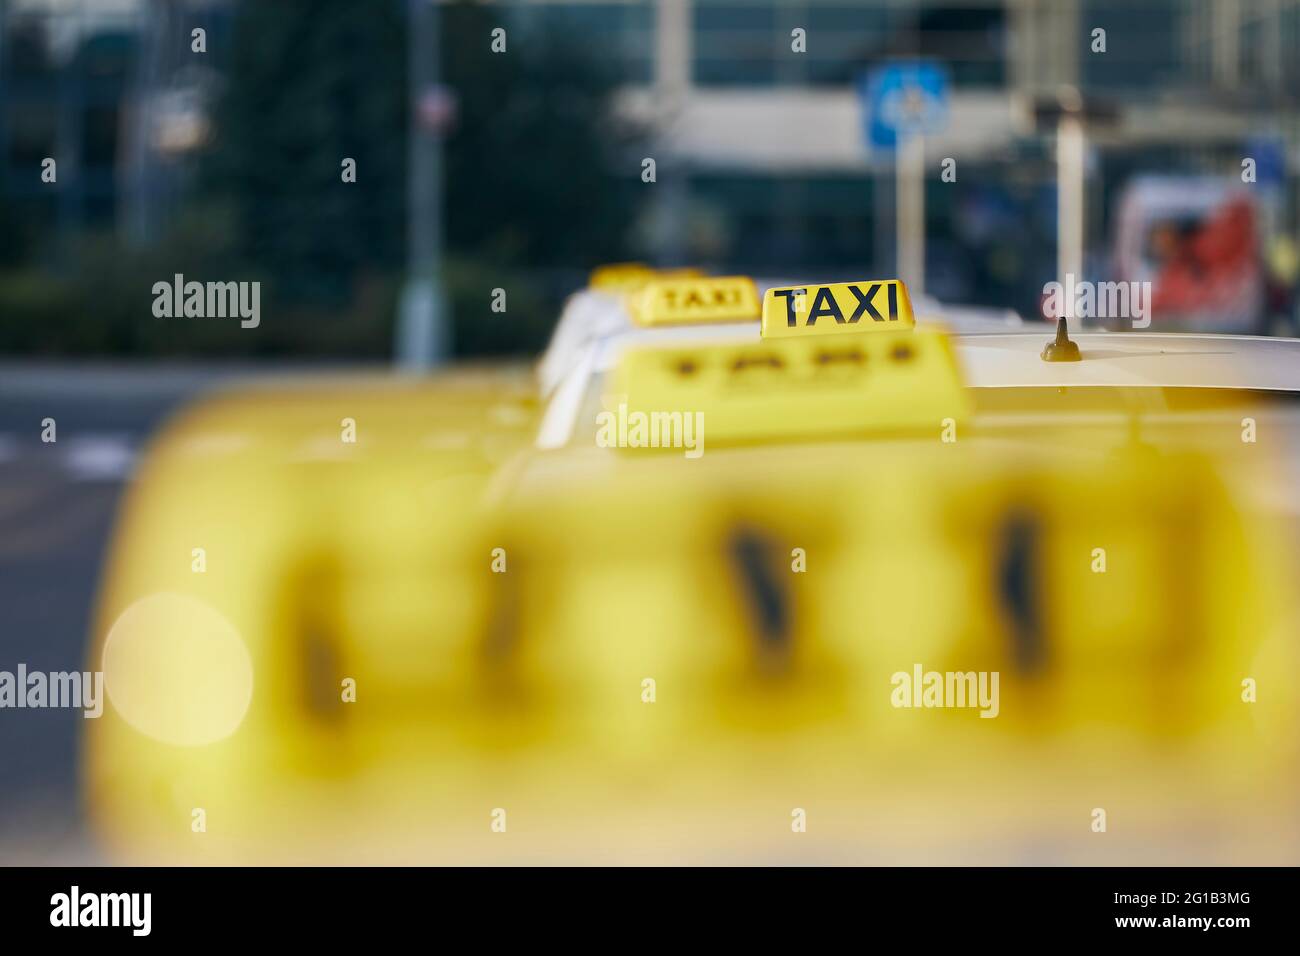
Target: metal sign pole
x=909, y=169
x=423, y=318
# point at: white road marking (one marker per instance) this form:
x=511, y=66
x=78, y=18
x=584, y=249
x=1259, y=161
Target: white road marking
x=98, y=457
x=107, y=456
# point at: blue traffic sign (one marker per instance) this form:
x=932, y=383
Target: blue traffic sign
x=903, y=99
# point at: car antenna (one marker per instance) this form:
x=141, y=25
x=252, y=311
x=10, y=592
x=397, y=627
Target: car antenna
x=1061, y=349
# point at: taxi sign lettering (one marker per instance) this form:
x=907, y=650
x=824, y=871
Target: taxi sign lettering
x=679, y=301
x=841, y=307
x=800, y=388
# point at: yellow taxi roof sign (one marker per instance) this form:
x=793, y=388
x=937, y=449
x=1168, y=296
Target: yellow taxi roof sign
x=819, y=309
x=618, y=276
x=806, y=388
x=689, y=300
x=631, y=276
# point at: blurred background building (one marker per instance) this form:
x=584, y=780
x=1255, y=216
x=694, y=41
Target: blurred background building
x=170, y=160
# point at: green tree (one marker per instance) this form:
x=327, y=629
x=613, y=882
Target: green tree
x=310, y=83
x=532, y=198
x=530, y=163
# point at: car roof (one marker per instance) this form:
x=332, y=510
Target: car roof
x=1150, y=359
x=1110, y=359
x=595, y=330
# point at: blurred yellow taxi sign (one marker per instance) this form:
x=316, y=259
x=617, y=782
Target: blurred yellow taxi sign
x=620, y=276
x=869, y=305
x=631, y=276
x=800, y=388
x=687, y=300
